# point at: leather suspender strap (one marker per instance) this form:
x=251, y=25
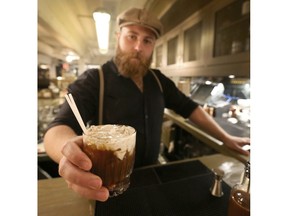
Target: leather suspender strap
x=101, y=96
x=158, y=81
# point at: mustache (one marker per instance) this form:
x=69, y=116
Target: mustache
x=138, y=56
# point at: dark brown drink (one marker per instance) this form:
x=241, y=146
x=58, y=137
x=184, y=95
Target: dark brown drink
x=239, y=204
x=111, y=149
x=113, y=171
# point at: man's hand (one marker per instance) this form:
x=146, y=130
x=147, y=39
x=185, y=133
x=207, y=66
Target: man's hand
x=74, y=167
x=237, y=143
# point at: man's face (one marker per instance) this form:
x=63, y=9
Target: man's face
x=134, y=50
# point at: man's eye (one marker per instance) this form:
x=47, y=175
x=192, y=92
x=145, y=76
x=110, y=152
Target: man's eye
x=132, y=37
x=148, y=42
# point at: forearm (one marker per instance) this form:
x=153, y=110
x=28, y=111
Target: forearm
x=54, y=140
x=208, y=124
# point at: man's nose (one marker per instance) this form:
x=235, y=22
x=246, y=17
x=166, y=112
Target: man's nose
x=138, y=46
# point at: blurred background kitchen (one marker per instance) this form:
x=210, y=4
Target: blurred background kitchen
x=205, y=50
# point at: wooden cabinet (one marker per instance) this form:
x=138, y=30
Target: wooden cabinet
x=232, y=30
x=172, y=45
x=158, y=56
x=192, y=43
x=214, y=41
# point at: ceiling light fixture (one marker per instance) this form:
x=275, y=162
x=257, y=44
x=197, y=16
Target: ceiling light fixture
x=70, y=58
x=102, y=24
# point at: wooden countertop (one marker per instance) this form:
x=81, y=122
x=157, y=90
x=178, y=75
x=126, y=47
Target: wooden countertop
x=203, y=136
x=55, y=198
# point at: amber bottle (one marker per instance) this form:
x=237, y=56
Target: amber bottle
x=239, y=201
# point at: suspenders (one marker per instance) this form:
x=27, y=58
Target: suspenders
x=158, y=81
x=101, y=92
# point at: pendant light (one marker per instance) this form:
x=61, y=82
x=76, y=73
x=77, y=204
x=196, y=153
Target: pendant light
x=102, y=24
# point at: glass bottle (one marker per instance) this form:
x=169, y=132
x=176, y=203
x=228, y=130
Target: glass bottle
x=239, y=201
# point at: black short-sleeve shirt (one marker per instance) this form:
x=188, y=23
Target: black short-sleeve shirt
x=124, y=103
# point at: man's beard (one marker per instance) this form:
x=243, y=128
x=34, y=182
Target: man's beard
x=128, y=66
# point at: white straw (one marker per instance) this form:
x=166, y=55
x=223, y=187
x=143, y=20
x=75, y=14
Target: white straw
x=74, y=108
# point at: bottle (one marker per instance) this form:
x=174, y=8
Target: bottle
x=239, y=201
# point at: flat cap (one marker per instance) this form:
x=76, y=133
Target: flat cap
x=137, y=16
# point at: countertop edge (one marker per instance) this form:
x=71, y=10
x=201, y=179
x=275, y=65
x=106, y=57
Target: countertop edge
x=203, y=136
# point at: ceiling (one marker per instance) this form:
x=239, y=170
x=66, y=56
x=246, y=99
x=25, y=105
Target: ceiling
x=66, y=26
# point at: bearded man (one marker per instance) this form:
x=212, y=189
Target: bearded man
x=134, y=95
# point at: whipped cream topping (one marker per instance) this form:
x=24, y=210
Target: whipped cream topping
x=117, y=138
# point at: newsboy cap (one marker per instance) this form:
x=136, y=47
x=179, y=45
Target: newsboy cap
x=137, y=16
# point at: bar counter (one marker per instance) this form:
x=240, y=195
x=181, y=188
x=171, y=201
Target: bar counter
x=55, y=198
x=203, y=136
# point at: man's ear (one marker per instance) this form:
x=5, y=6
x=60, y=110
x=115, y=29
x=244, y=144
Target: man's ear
x=117, y=34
